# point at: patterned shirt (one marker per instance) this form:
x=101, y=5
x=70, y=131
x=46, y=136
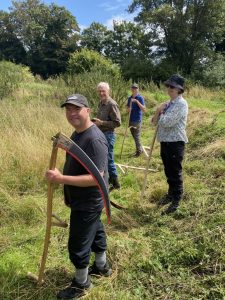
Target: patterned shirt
x=109, y=113
x=172, y=123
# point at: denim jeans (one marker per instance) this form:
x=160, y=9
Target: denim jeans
x=111, y=138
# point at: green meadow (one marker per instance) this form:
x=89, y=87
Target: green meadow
x=179, y=256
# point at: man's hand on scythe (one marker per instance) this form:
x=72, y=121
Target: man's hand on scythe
x=54, y=176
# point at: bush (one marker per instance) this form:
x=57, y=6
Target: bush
x=86, y=83
x=214, y=72
x=137, y=69
x=89, y=60
x=11, y=75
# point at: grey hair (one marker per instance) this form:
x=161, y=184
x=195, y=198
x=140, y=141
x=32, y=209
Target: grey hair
x=104, y=85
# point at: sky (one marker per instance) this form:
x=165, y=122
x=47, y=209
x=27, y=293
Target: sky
x=88, y=11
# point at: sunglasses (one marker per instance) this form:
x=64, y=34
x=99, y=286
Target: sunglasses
x=170, y=86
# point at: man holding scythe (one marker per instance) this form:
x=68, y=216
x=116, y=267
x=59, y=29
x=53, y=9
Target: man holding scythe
x=84, y=198
x=135, y=107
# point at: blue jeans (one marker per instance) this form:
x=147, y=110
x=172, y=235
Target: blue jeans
x=111, y=138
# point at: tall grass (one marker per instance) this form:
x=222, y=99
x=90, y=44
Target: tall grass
x=26, y=131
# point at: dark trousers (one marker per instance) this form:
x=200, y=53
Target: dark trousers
x=86, y=234
x=172, y=154
x=136, y=133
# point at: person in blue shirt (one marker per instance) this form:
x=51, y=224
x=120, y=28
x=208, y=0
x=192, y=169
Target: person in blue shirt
x=135, y=107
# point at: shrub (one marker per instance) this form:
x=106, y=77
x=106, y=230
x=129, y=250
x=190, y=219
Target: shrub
x=89, y=60
x=214, y=72
x=11, y=75
x=86, y=83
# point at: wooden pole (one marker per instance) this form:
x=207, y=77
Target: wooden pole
x=125, y=133
x=121, y=166
x=148, y=163
x=52, y=165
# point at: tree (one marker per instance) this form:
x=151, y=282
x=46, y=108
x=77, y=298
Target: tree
x=220, y=47
x=93, y=37
x=137, y=69
x=185, y=30
x=48, y=35
x=213, y=72
x=129, y=45
x=126, y=40
x=10, y=46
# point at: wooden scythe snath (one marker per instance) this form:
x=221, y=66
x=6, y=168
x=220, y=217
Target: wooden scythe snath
x=123, y=168
x=49, y=221
x=63, y=142
x=148, y=162
x=50, y=215
x=127, y=126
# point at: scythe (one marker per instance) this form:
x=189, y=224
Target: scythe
x=65, y=143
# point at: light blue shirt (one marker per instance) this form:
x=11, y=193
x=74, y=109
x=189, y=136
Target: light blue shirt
x=172, y=123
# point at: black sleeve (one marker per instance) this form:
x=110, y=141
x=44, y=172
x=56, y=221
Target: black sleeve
x=97, y=151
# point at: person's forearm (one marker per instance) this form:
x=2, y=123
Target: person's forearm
x=110, y=124
x=155, y=118
x=142, y=107
x=80, y=180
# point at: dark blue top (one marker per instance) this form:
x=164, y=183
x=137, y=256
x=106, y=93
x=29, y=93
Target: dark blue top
x=136, y=112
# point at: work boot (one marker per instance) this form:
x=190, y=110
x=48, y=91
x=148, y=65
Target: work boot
x=74, y=290
x=105, y=271
x=166, y=199
x=171, y=208
x=138, y=153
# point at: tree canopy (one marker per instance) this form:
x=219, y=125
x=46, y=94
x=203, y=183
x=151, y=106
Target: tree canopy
x=166, y=36
x=185, y=30
x=45, y=36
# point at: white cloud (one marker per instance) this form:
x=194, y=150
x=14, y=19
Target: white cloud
x=115, y=5
x=106, y=6
x=119, y=18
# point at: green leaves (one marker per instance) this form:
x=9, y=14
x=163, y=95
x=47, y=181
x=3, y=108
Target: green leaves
x=87, y=60
x=45, y=35
x=185, y=30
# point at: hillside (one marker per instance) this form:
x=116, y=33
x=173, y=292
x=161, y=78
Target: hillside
x=181, y=256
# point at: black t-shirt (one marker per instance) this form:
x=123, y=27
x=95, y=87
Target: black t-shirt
x=93, y=142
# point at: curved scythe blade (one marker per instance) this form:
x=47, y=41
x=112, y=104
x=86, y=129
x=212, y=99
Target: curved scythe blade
x=65, y=143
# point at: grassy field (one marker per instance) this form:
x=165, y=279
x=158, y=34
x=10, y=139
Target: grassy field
x=181, y=256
